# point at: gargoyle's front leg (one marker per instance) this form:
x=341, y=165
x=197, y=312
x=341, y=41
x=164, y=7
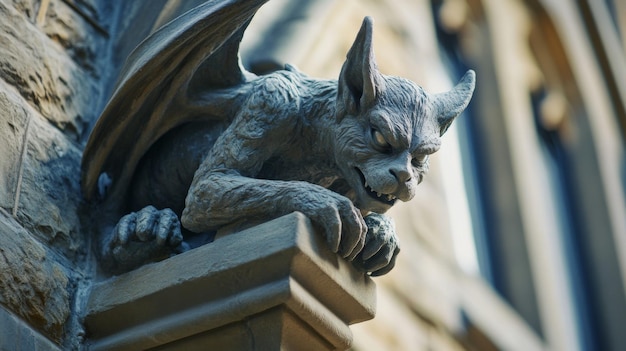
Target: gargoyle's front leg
x=381, y=246
x=218, y=198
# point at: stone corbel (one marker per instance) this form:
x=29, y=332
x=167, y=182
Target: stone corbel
x=276, y=286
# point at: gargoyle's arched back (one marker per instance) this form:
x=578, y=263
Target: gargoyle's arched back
x=162, y=72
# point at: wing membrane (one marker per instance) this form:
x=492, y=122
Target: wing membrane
x=195, y=52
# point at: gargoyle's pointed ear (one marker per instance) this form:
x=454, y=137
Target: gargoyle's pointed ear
x=452, y=103
x=359, y=81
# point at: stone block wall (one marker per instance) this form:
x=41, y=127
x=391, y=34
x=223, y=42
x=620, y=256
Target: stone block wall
x=51, y=54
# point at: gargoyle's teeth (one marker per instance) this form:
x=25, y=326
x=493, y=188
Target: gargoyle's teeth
x=382, y=197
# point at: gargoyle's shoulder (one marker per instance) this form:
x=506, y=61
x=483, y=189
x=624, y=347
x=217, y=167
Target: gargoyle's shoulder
x=277, y=93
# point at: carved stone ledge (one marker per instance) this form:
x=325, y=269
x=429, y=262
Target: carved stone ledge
x=275, y=286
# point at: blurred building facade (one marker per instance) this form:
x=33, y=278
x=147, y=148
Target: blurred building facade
x=516, y=240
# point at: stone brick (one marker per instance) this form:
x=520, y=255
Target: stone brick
x=49, y=193
x=44, y=74
x=33, y=285
x=79, y=38
x=13, y=120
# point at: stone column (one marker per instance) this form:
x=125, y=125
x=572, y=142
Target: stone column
x=275, y=286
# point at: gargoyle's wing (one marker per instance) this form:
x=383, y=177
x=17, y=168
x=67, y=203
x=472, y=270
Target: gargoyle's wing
x=198, y=50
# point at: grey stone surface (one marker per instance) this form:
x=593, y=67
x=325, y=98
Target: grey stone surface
x=16, y=335
x=270, y=286
x=33, y=284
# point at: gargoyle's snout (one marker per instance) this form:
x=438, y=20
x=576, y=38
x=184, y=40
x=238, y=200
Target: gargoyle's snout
x=395, y=181
x=404, y=180
x=402, y=174
x=405, y=190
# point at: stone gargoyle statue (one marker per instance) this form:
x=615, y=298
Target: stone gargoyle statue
x=190, y=142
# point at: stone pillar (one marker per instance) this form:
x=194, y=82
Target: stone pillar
x=275, y=286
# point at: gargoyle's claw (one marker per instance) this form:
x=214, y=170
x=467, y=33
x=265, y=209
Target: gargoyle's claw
x=141, y=237
x=336, y=216
x=386, y=269
x=332, y=227
x=168, y=229
x=371, y=249
x=146, y=219
x=381, y=246
x=354, y=235
x=123, y=229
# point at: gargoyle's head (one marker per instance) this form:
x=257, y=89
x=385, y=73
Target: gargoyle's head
x=388, y=127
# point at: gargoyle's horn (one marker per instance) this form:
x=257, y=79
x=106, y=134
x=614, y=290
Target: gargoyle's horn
x=452, y=103
x=360, y=81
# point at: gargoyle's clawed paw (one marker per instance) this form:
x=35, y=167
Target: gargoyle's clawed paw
x=381, y=246
x=147, y=235
x=341, y=222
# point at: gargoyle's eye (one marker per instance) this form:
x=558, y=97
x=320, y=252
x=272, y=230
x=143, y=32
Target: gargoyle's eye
x=379, y=139
x=419, y=160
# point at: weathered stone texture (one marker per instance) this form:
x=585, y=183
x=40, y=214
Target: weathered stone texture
x=44, y=74
x=72, y=31
x=32, y=282
x=49, y=59
x=49, y=195
x=13, y=120
x=27, y=7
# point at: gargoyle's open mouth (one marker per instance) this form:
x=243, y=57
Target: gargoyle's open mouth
x=387, y=199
